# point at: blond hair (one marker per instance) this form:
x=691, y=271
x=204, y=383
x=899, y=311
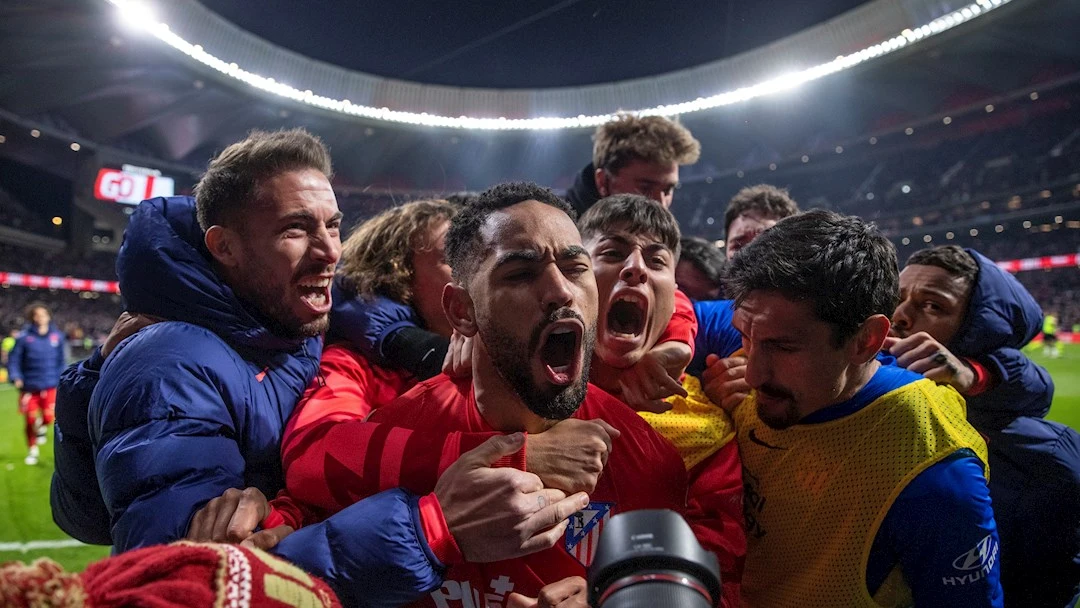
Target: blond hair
x=377, y=256
x=654, y=139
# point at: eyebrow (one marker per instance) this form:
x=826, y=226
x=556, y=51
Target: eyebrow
x=532, y=255
x=307, y=216
x=932, y=292
x=777, y=340
x=656, y=182
x=621, y=240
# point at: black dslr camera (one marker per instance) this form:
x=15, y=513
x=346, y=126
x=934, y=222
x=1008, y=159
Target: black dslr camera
x=650, y=558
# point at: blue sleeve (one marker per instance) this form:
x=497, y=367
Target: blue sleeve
x=15, y=359
x=164, y=434
x=941, y=532
x=365, y=324
x=373, y=553
x=1023, y=388
x=75, y=498
x=716, y=335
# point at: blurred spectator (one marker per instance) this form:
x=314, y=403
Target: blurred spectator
x=699, y=270
x=85, y=318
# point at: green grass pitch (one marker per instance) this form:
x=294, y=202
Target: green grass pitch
x=24, y=490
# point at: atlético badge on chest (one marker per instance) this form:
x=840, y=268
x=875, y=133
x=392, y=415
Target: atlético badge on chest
x=583, y=532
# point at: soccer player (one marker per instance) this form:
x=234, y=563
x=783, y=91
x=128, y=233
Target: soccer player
x=34, y=367
x=1051, y=345
x=962, y=321
x=6, y=345
x=635, y=155
x=524, y=291
x=634, y=245
x=865, y=484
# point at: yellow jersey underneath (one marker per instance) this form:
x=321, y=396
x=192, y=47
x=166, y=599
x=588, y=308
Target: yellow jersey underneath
x=694, y=425
x=816, y=494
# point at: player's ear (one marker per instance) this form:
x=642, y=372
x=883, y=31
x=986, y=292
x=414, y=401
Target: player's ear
x=459, y=309
x=600, y=177
x=223, y=245
x=869, y=339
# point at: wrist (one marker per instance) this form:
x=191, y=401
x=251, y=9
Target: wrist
x=437, y=531
x=980, y=378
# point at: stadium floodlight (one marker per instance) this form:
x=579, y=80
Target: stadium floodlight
x=136, y=15
x=139, y=14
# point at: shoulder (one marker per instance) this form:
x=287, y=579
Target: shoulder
x=602, y=404
x=430, y=397
x=177, y=368
x=173, y=343
x=714, y=310
x=342, y=359
x=956, y=483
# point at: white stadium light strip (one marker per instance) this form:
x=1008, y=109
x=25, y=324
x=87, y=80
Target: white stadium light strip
x=138, y=15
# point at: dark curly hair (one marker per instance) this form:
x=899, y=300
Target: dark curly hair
x=463, y=238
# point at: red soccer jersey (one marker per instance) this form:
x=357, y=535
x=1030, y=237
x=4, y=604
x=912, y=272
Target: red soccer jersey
x=643, y=472
x=683, y=326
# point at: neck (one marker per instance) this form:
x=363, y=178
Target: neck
x=497, y=401
x=603, y=375
x=856, y=379
x=42, y=329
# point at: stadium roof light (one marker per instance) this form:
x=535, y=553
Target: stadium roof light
x=136, y=15
x=139, y=14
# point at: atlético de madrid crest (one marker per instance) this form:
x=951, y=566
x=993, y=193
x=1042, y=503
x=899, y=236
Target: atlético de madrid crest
x=583, y=532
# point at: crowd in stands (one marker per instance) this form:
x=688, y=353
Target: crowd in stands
x=14, y=215
x=98, y=265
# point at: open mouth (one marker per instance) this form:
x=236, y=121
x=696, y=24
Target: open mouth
x=626, y=316
x=315, y=292
x=560, y=351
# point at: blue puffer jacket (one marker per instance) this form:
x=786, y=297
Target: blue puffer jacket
x=1001, y=318
x=188, y=408
x=37, y=360
x=1034, y=463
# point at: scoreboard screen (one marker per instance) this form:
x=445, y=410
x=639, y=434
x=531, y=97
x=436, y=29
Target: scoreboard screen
x=131, y=185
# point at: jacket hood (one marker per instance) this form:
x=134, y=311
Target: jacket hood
x=1001, y=313
x=164, y=270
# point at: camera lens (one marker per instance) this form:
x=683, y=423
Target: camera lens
x=651, y=558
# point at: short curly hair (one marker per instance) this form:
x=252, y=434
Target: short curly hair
x=463, y=238
x=769, y=201
x=654, y=139
x=376, y=259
